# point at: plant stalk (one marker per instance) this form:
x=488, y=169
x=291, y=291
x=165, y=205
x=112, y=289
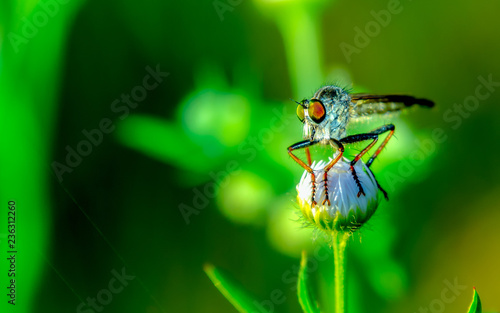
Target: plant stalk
x=339, y=242
x=299, y=25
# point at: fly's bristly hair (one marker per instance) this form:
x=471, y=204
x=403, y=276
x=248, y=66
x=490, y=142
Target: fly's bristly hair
x=337, y=102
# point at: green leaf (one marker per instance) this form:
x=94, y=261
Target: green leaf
x=163, y=141
x=234, y=293
x=475, y=306
x=308, y=304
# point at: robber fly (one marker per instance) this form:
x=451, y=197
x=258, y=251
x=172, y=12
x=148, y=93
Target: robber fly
x=326, y=116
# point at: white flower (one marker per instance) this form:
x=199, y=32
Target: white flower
x=346, y=210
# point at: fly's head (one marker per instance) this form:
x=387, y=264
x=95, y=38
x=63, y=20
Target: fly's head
x=326, y=115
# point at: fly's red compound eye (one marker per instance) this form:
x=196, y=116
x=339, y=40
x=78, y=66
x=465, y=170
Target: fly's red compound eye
x=300, y=113
x=316, y=111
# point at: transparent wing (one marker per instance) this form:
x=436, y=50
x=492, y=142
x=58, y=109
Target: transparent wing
x=363, y=105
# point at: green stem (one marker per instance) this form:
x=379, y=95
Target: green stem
x=339, y=242
x=299, y=25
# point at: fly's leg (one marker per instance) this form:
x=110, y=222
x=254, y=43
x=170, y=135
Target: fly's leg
x=308, y=155
x=305, y=144
x=378, y=186
x=336, y=144
x=356, y=138
x=389, y=128
x=373, y=135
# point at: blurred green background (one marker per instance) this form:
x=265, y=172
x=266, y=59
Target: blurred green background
x=176, y=170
